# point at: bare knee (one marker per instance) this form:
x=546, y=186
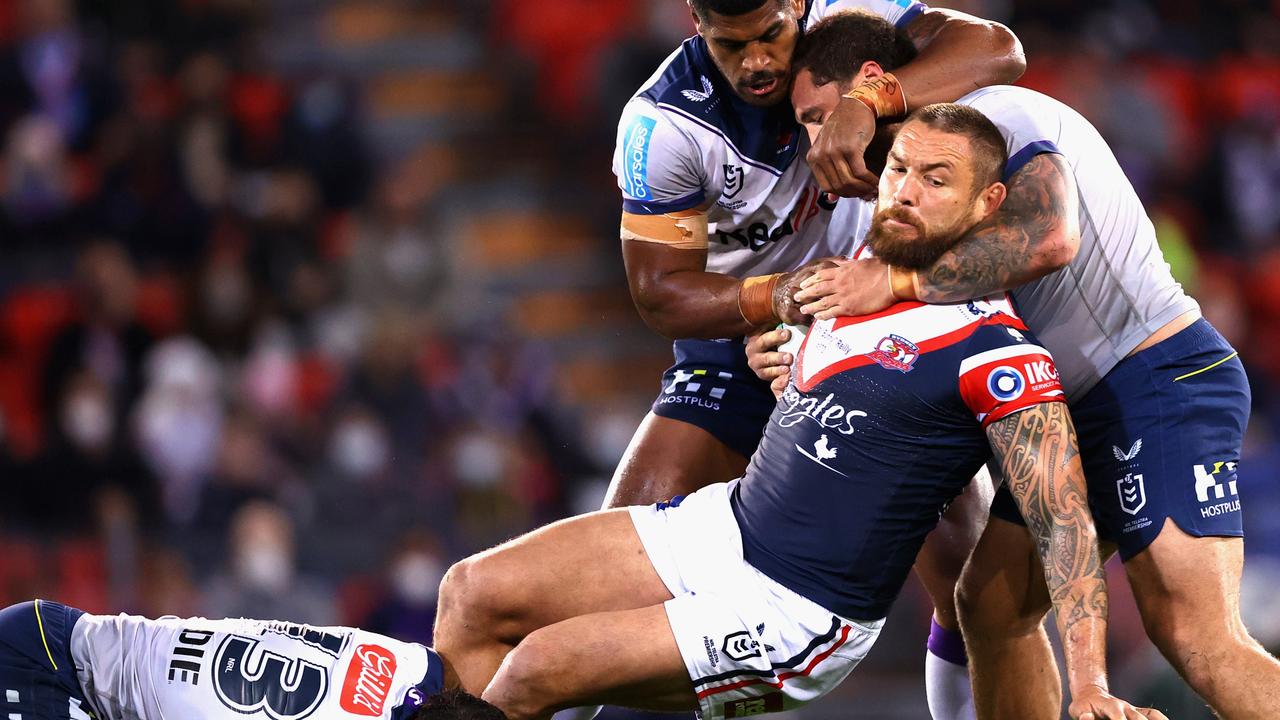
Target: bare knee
x=988, y=612
x=1199, y=648
x=472, y=601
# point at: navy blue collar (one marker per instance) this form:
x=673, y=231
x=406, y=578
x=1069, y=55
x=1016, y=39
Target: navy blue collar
x=432, y=683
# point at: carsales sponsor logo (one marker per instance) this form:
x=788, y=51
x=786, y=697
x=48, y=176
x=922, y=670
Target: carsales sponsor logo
x=369, y=677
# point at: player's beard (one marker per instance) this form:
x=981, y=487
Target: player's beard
x=898, y=246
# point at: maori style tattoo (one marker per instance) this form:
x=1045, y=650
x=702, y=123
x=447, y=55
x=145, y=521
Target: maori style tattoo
x=998, y=253
x=1038, y=453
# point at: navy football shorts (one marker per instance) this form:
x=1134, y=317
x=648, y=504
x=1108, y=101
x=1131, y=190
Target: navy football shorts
x=1160, y=437
x=37, y=677
x=710, y=386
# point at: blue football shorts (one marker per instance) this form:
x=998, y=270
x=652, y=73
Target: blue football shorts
x=711, y=387
x=1160, y=437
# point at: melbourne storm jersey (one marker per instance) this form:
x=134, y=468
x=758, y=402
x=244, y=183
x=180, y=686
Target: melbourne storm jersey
x=686, y=140
x=132, y=668
x=881, y=427
x=1118, y=290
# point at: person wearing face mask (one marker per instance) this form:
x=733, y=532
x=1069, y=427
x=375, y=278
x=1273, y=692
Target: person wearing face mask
x=261, y=577
x=86, y=456
x=408, y=609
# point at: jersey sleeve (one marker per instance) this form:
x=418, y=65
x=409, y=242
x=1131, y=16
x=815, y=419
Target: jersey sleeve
x=1006, y=370
x=898, y=12
x=1029, y=129
x=657, y=165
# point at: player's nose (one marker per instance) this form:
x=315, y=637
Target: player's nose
x=755, y=59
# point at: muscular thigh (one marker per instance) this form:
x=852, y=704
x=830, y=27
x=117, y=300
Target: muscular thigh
x=1180, y=578
x=586, y=564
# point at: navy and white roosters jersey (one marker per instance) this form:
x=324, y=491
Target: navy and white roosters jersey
x=881, y=426
x=133, y=668
x=686, y=140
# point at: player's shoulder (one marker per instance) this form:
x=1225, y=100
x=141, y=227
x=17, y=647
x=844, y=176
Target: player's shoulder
x=898, y=12
x=686, y=82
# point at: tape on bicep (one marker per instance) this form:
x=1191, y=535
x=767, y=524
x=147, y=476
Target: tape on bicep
x=686, y=230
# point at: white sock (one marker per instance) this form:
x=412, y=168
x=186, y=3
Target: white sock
x=947, y=687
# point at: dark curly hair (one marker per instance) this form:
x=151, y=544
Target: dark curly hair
x=835, y=48
x=455, y=704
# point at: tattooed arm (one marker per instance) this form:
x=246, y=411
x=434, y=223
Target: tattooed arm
x=1035, y=232
x=1037, y=451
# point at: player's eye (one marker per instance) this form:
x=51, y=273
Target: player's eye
x=935, y=182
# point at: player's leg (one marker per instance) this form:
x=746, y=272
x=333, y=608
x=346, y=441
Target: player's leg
x=489, y=602
x=1002, y=601
x=669, y=457
x=1165, y=485
x=627, y=658
x=36, y=669
x=1188, y=591
x=746, y=644
x=938, y=566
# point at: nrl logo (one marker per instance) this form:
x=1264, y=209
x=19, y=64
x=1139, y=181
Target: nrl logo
x=1133, y=494
x=732, y=180
x=696, y=96
x=1123, y=456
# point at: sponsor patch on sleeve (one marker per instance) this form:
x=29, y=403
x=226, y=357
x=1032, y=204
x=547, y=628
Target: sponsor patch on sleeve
x=635, y=158
x=997, y=383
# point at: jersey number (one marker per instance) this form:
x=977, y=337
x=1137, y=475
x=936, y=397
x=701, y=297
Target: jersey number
x=284, y=689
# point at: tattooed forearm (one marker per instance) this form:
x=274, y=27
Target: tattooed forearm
x=1033, y=233
x=1037, y=450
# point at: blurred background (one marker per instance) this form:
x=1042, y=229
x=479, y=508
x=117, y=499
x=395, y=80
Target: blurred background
x=301, y=301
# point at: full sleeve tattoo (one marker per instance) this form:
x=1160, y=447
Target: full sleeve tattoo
x=1038, y=453
x=1035, y=232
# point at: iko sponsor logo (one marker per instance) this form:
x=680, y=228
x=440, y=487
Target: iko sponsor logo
x=1216, y=483
x=895, y=353
x=635, y=158
x=795, y=407
x=1132, y=492
x=368, y=681
x=1005, y=384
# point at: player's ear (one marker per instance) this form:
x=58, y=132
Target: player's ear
x=797, y=8
x=697, y=21
x=990, y=198
x=870, y=70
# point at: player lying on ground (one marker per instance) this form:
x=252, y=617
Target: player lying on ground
x=1160, y=399
x=764, y=593
x=59, y=663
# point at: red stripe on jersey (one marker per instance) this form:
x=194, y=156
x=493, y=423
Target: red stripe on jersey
x=844, y=635
x=997, y=389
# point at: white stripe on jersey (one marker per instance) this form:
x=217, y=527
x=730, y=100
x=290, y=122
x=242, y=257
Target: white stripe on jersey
x=1001, y=353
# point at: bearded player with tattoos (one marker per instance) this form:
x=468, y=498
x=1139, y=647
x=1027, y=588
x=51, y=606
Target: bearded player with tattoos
x=1160, y=398
x=763, y=593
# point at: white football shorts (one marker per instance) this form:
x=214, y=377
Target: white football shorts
x=751, y=645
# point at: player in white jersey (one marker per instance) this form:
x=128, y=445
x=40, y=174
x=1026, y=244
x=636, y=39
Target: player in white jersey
x=763, y=593
x=60, y=663
x=1160, y=398
x=718, y=202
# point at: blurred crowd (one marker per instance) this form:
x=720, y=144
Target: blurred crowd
x=235, y=376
